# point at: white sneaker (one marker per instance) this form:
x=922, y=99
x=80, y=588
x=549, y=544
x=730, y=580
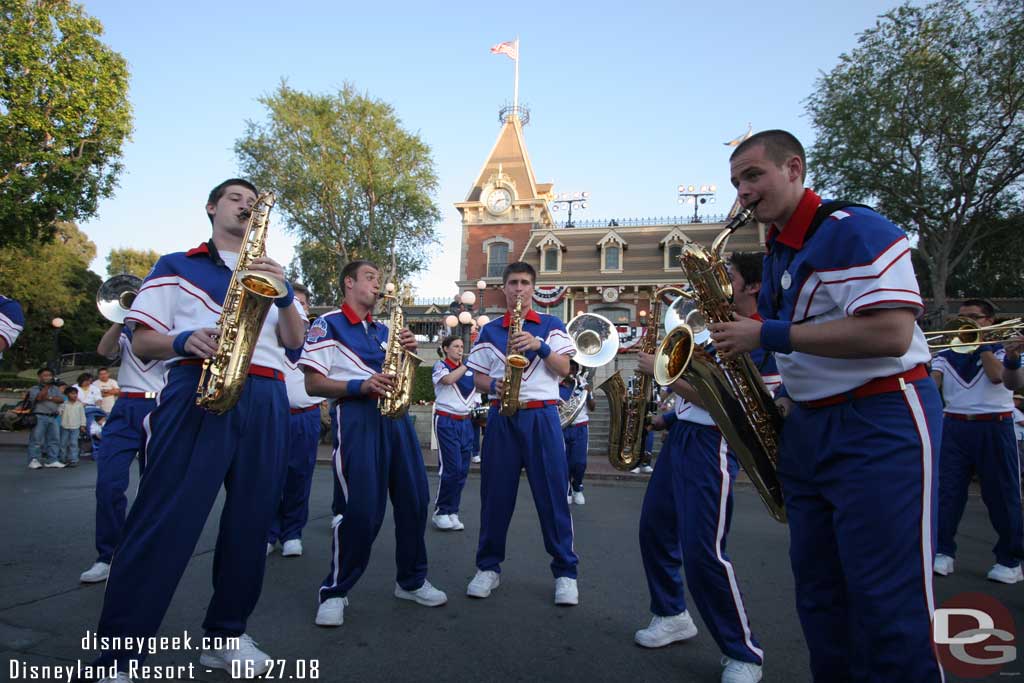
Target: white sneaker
x=96, y=573
x=457, y=524
x=292, y=548
x=665, y=630
x=635, y=470
x=121, y=677
x=35, y=464
x=740, y=672
x=475, y=458
x=943, y=564
x=425, y=595
x=270, y=549
x=646, y=469
x=568, y=499
x=55, y=464
x=578, y=499
x=1004, y=574
x=249, y=657
x=331, y=612
x=566, y=591
x=482, y=584
x=442, y=522
x=336, y=520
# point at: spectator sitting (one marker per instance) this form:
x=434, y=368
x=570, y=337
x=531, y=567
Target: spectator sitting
x=72, y=423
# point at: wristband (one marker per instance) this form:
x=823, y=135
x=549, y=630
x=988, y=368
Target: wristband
x=179, y=343
x=544, y=351
x=286, y=300
x=1011, y=364
x=494, y=384
x=354, y=387
x=775, y=336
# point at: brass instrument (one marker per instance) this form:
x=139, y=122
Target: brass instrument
x=245, y=309
x=596, y=341
x=398, y=362
x=515, y=363
x=964, y=335
x=732, y=391
x=114, y=298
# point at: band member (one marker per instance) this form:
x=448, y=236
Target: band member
x=124, y=440
x=12, y=322
x=977, y=437
x=455, y=394
x=303, y=439
x=840, y=300
x=530, y=439
x=343, y=358
x=191, y=453
x=687, y=511
x=577, y=434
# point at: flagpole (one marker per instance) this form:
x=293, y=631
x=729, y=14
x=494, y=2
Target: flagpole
x=515, y=92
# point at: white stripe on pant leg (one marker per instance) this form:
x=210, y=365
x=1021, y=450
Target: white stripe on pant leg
x=913, y=400
x=440, y=466
x=338, y=473
x=723, y=500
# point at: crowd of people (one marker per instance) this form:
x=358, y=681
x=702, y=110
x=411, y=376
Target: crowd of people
x=878, y=445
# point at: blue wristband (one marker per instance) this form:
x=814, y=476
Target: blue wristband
x=354, y=387
x=1011, y=364
x=494, y=384
x=544, y=351
x=775, y=336
x=286, y=300
x=179, y=343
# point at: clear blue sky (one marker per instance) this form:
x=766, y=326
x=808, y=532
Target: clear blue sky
x=628, y=99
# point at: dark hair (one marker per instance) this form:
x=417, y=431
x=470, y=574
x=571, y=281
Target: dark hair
x=984, y=304
x=750, y=264
x=40, y=371
x=84, y=376
x=300, y=289
x=779, y=145
x=519, y=267
x=351, y=269
x=218, y=192
x=102, y=369
x=70, y=390
x=449, y=340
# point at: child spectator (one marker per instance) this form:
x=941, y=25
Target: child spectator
x=72, y=424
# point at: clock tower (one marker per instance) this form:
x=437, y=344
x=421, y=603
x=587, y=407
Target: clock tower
x=501, y=209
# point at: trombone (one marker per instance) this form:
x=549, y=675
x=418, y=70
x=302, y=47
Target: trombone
x=964, y=335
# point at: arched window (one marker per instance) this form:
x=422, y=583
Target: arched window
x=497, y=259
x=611, y=258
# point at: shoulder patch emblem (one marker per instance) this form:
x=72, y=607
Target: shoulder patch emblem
x=317, y=331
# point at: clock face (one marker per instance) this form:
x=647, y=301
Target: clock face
x=499, y=200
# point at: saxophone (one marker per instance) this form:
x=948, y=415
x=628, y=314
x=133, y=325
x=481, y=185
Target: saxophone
x=398, y=362
x=732, y=390
x=515, y=363
x=245, y=308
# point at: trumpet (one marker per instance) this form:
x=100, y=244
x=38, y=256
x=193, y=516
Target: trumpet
x=964, y=335
x=114, y=298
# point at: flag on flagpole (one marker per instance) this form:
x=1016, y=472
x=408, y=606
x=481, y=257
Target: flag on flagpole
x=507, y=48
x=737, y=140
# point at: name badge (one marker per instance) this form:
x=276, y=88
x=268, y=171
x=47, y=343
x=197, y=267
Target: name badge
x=787, y=280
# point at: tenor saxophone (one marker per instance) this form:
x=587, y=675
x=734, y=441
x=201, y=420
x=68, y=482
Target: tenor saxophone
x=515, y=363
x=245, y=309
x=398, y=362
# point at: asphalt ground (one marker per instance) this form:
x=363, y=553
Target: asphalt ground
x=517, y=634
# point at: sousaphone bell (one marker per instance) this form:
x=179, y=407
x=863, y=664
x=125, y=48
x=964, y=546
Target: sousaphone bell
x=114, y=298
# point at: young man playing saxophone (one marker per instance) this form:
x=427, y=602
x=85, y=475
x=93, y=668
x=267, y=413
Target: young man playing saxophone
x=530, y=439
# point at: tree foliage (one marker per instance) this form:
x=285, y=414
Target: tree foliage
x=64, y=115
x=925, y=119
x=349, y=180
x=53, y=280
x=136, y=262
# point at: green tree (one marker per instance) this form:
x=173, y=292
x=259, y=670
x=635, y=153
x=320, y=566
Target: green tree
x=925, y=120
x=137, y=262
x=53, y=280
x=350, y=181
x=64, y=116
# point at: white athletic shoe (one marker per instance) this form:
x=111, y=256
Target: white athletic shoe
x=96, y=573
x=568, y=499
x=57, y=464
x=35, y=464
x=943, y=564
x=250, y=658
x=578, y=499
x=270, y=549
x=457, y=524
x=566, y=591
x=292, y=548
x=475, y=458
x=442, y=522
x=425, y=595
x=635, y=470
x=331, y=612
x=665, y=630
x=482, y=584
x=736, y=671
x=646, y=469
x=1004, y=574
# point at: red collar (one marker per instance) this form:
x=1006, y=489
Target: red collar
x=352, y=317
x=796, y=227
x=531, y=316
x=450, y=364
x=757, y=316
x=202, y=250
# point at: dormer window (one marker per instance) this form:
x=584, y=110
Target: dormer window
x=551, y=249
x=612, y=248
x=672, y=247
x=611, y=258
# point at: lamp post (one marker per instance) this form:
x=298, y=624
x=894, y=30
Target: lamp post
x=462, y=314
x=703, y=194
x=57, y=323
x=569, y=199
